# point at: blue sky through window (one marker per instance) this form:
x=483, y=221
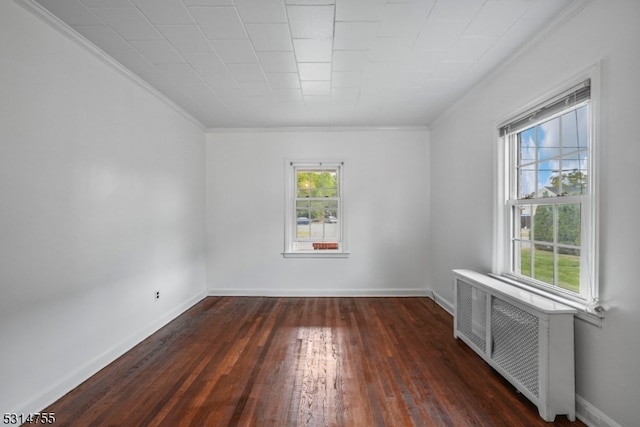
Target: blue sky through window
x=550, y=148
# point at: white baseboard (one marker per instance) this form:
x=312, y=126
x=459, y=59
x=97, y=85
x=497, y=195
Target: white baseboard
x=319, y=293
x=71, y=380
x=446, y=305
x=592, y=416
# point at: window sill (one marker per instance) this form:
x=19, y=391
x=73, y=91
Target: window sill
x=316, y=254
x=585, y=312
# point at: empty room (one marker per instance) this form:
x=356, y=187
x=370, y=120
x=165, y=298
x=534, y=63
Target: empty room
x=319, y=212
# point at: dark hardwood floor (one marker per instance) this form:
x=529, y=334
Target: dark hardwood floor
x=239, y=361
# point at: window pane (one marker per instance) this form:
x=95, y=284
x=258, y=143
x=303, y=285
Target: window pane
x=330, y=210
x=583, y=126
x=573, y=180
x=523, y=222
x=569, y=224
x=569, y=269
x=543, y=224
x=303, y=183
x=317, y=183
x=317, y=210
x=527, y=146
x=527, y=182
x=303, y=219
x=569, y=125
x=328, y=180
x=522, y=258
x=543, y=270
x=548, y=139
x=546, y=183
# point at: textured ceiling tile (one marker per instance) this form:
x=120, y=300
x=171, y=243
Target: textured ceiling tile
x=107, y=3
x=208, y=2
x=359, y=10
x=422, y=60
x=263, y=101
x=165, y=11
x=456, y=10
x=72, y=12
x=158, y=52
x=449, y=70
x=380, y=74
x=128, y=22
x=342, y=79
x=310, y=2
x=354, y=35
x=288, y=96
x=313, y=50
x=261, y=10
x=403, y=19
x=219, y=80
x=205, y=62
x=345, y=94
x=470, y=49
x=255, y=87
x=186, y=38
x=167, y=87
x=179, y=73
x=317, y=101
x=440, y=35
x=219, y=22
x=412, y=79
x=246, y=72
x=522, y=32
x=257, y=62
x=316, y=88
x=137, y=63
x=232, y=96
x=106, y=39
x=235, y=51
x=278, y=62
x=269, y=36
x=350, y=60
x=309, y=22
x=283, y=80
x=315, y=71
x=390, y=48
x=495, y=18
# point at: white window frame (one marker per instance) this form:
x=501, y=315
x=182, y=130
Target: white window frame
x=588, y=301
x=291, y=168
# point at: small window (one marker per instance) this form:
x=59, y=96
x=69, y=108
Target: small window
x=314, y=211
x=548, y=208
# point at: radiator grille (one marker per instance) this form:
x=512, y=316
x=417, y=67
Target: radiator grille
x=472, y=314
x=515, y=343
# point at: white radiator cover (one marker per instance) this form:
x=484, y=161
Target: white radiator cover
x=524, y=336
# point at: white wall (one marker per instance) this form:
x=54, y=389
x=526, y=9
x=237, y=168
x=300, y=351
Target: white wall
x=462, y=168
x=386, y=199
x=102, y=199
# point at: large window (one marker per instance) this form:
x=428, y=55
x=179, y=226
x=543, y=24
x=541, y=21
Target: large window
x=315, y=214
x=548, y=204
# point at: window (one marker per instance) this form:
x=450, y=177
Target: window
x=314, y=211
x=548, y=204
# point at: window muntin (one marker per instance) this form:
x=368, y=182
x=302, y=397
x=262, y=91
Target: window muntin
x=549, y=197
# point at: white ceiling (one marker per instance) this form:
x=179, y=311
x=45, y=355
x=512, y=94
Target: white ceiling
x=309, y=63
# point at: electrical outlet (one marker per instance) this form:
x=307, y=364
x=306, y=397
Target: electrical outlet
x=157, y=294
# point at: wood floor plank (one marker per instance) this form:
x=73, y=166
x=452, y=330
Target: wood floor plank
x=257, y=361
